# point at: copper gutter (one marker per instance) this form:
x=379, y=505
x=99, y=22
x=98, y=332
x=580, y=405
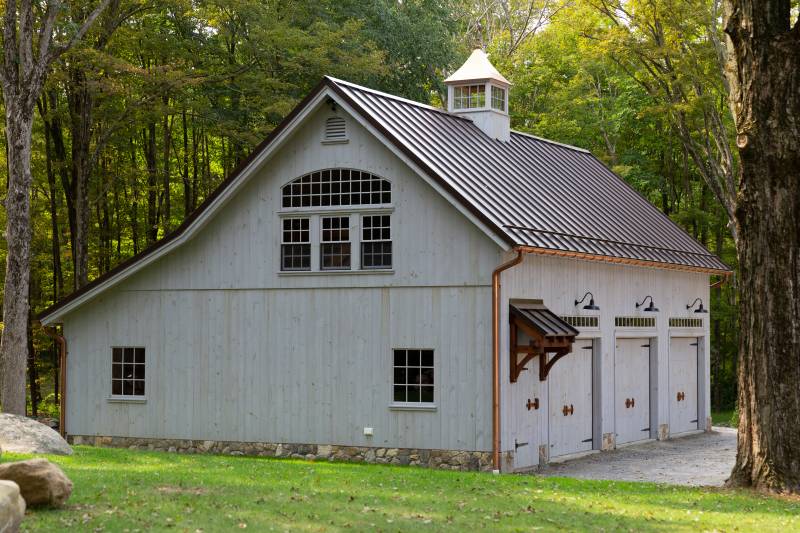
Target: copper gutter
x=62, y=377
x=720, y=283
x=621, y=260
x=496, y=354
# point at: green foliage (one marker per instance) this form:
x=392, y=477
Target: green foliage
x=118, y=490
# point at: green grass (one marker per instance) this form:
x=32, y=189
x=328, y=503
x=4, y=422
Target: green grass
x=729, y=418
x=121, y=490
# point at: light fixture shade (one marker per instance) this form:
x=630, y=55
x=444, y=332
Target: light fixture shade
x=651, y=308
x=591, y=306
x=701, y=309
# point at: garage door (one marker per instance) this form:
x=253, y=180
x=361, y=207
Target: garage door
x=632, y=390
x=570, y=401
x=682, y=384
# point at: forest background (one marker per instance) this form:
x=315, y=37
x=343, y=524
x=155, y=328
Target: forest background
x=162, y=99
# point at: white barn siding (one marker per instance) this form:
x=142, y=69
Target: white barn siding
x=616, y=288
x=237, y=350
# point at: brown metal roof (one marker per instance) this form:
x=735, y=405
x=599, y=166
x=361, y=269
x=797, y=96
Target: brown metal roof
x=529, y=191
x=539, y=193
x=542, y=320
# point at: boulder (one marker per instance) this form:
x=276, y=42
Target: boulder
x=20, y=434
x=40, y=481
x=12, y=507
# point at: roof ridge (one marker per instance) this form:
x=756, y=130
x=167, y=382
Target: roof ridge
x=398, y=98
x=550, y=141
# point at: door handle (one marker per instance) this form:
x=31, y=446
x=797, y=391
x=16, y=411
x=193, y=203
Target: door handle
x=519, y=444
x=627, y=403
x=568, y=410
x=532, y=404
x=633, y=402
x=681, y=396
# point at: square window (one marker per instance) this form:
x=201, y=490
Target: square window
x=127, y=371
x=413, y=376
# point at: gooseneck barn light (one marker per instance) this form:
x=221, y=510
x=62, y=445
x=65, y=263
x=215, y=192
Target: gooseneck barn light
x=590, y=306
x=650, y=308
x=699, y=309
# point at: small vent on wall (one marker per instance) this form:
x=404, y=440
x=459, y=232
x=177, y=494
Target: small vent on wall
x=679, y=322
x=635, y=322
x=335, y=130
x=581, y=321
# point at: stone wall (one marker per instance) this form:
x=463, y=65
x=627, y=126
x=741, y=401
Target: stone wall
x=444, y=459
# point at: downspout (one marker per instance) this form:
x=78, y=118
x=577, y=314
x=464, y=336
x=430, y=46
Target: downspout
x=496, y=355
x=62, y=377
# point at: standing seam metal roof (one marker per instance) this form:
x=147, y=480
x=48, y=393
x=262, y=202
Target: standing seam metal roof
x=537, y=192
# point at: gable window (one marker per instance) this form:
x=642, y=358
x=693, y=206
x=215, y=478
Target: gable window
x=336, y=187
x=127, y=371
x=413, y=376
x=498, y=98
x=335, y=243
x=469, y=96
x=376, y=242
x=296, y=244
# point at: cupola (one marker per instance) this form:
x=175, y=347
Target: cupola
x=478, y=91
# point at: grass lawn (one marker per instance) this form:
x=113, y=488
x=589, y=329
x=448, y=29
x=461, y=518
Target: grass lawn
x=724, y=418
x=121, y=490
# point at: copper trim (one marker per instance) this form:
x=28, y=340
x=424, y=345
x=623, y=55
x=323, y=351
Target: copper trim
x=496, y=355
x=621, y=260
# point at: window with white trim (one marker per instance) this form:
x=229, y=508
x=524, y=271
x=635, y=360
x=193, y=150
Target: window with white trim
x=127, y=371
x=469, y=96
x=296, y=244
x=498, y=98
x=336, y=187
x=335, y=243
x=413, y=376
x=376, y=241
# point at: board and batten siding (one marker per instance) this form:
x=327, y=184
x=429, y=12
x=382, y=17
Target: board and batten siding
x=616, y=288
x=238, y=351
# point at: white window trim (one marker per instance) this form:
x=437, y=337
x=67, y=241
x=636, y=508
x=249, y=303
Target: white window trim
x=414, y=406
x=350, y=226
x=130, y=398
x=315, y=214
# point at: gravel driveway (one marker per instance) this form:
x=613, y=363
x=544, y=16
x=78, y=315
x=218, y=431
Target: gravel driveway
x=703, y=459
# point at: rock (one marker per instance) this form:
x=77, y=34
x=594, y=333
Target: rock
x=40, y=481
x=20, y=434
x=12, y=507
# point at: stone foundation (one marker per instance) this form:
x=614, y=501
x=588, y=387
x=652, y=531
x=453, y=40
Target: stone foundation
x=443, y=459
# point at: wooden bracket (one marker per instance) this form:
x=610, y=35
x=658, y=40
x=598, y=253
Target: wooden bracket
x=546, y=365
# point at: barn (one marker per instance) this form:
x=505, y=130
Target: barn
x=387, y=281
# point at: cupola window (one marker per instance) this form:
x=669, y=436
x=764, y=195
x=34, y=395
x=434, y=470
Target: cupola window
x=498, y=98
x=469, y=96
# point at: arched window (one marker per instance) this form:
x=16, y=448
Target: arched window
x=336, y=187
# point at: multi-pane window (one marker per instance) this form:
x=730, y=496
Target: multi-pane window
x=336, y=187
x=296, y=244
x=127, y=371
x=335, y=243
x=498, y=98
x=376, y=242
x=413, y=376
x=469, y=96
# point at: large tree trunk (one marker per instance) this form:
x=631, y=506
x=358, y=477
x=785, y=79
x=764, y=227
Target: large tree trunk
x=16, y=307
x=764, y=75
x=81, y=104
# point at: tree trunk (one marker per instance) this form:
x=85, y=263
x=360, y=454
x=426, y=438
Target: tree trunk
x=16, y=307
x=764, y=75
x=33, y=374
x=81, y=103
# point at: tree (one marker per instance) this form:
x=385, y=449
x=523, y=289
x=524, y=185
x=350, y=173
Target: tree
x=30, y=45
x=764, y=76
